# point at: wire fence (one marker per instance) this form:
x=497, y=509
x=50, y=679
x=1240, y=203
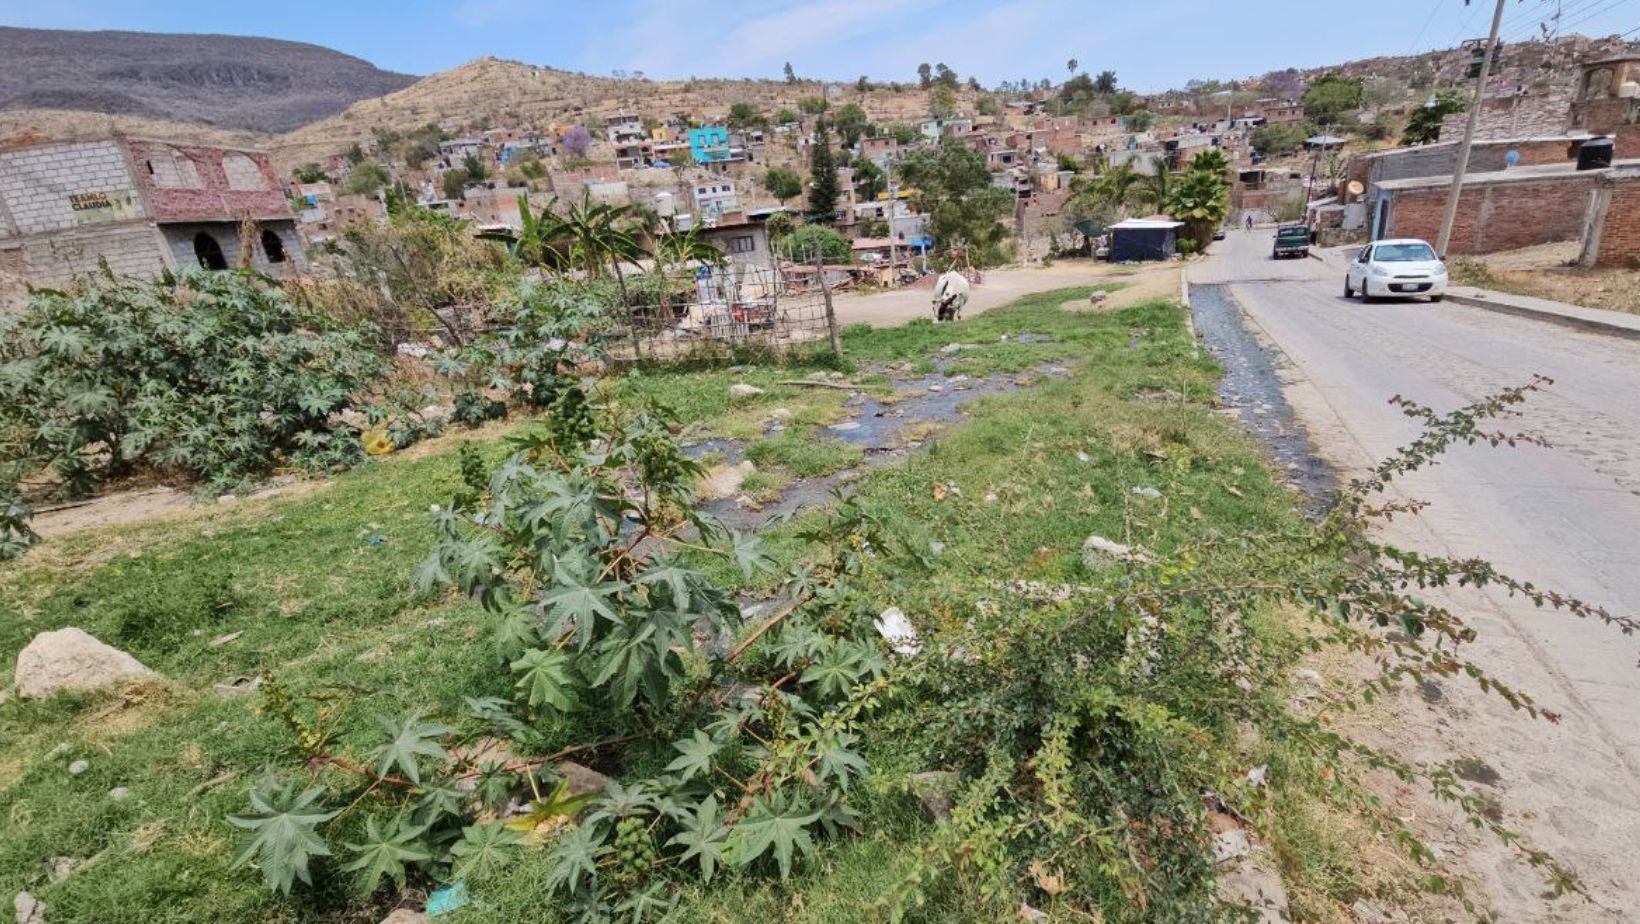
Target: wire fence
x=711, y=308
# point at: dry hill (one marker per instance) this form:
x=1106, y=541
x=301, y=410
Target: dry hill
x=225, y=81
x=490, y=91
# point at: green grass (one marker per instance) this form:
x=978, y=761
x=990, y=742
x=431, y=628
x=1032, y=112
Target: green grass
x=804, y=453
x=325, y=609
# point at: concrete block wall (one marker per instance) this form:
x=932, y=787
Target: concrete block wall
x=1497, y=216
x=134, y=250
x=54, y=187
x=179, y=239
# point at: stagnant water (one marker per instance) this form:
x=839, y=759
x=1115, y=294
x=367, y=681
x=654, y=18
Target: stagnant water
x=877, y=429
x=1251, y=387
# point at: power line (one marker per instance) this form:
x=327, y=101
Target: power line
x=1593, y=13
x=1530, y=25
x=1433, y=9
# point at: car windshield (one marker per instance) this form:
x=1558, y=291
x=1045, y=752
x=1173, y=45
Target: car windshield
x=1293, y=232
x=1403, y=253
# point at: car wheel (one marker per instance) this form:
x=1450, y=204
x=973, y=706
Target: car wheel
x=1436, y=298
x=1348, y=292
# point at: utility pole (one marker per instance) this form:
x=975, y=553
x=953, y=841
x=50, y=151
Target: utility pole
x=893, y=251
x=1462, y=164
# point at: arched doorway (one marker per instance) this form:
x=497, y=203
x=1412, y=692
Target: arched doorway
x=209, y=252
x=273, y=246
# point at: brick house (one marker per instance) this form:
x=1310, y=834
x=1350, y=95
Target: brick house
x=141, y=206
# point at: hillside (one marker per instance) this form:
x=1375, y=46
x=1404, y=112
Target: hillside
x=223, y=81
x=498, y=92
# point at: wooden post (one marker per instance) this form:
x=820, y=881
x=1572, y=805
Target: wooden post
x=825, y=291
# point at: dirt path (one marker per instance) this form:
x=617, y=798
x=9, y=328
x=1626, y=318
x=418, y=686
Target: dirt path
x=1002, y=286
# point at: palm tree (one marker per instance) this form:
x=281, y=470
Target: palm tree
x=1200, y=199
x=1213, y=160
x=1153, y=190
x=541, y=241
x=683, y=246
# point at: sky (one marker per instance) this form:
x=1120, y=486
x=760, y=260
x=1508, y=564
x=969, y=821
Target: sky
x=1151, y=44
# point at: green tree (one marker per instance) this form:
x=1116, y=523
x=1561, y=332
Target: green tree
x=1424, y=126
x=813, y=105
x=803, y=243
x=743, y=116
x=925, y=75
x=452, y=182
x=1200, y=199
x=903, y=134
x=310, y=173
x=785, y=117
x=946, y=77
x=1329, y=97
x=823, y=190
x=851, y=123
x=355, y=154
x=1106, y=82
x=863, y=85
x=783, y=184
x=1276, y=140
x=1141, y=121
x=868, y=179
x=1156, y=190
x=475, y=168
x=942, y=102
x=791, y=75
x=1071, y=65
x=953, y=188
x=366, y=179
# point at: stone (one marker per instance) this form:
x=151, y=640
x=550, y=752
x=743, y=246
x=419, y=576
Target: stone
x=228, y=500
x=898, y=631
x=935, y=791
x=583, y=781
x=30, y=910
x=221, y=640
x=78, y=767
x=721, y=481
x=238, y=686
x=71, y=661
x=1230, y=845
x=406, y=916
x=845, y=426
x=119, y=794
x=1027, y=913
x=60, y=868
x=437, y=413
x=951, y=348
x=742, y=390
x=781, y=413
x=1251, y=884
x=1150, y=493
x=1098, y=551
x=1368, y=913
x=1306, y=684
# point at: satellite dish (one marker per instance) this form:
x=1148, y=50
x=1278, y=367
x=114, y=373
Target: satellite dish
x=1356, y=188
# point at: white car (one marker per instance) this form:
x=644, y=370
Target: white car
x=1405, y=266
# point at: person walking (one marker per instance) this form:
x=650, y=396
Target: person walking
x=1248, y=220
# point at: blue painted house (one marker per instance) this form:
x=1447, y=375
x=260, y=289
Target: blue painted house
x=709, y=145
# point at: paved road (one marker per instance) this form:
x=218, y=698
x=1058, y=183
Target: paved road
x=1566, y=517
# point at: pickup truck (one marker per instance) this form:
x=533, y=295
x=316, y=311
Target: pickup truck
x=1291, y=241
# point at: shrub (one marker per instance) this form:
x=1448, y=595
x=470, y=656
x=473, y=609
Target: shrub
x=611, y=638
x=220, y=376
x=802, y=244
x=545, y=331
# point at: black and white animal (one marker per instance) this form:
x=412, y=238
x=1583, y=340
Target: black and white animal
x=950, y=294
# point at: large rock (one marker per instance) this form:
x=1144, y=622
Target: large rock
x=71, y=661
x=723, y=481
x=406, y=916
x=30, y=910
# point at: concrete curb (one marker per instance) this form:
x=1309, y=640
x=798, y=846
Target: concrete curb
x=1589, y=325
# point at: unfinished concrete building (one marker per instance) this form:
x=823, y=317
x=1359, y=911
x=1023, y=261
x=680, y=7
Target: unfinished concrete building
x=140, y=207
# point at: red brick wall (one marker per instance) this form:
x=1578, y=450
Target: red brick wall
x=212, y=199
x=1496, y=216
x=1620, y=238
